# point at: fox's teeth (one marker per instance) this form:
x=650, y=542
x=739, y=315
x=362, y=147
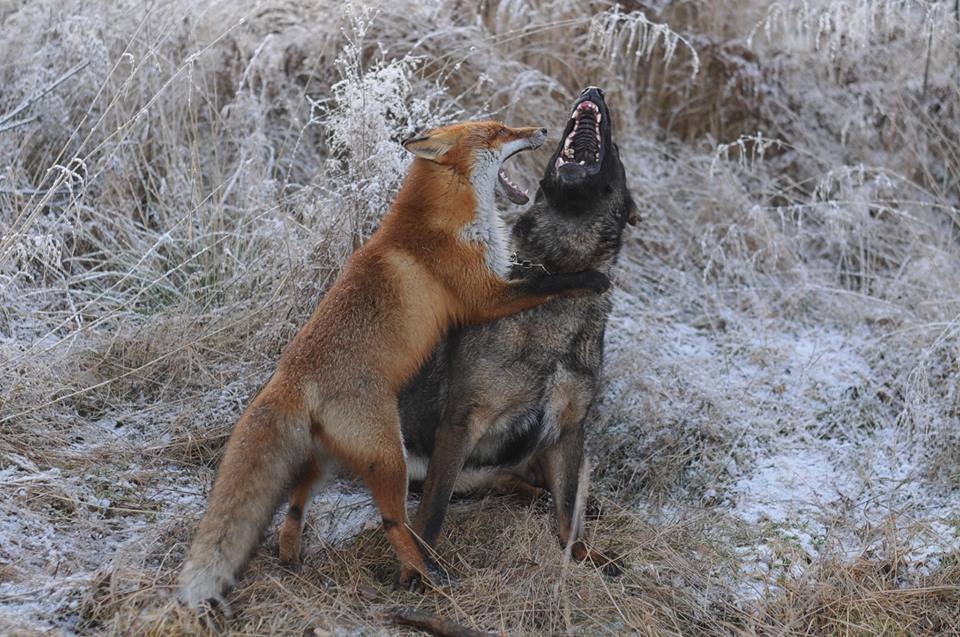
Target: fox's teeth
x=583, y=163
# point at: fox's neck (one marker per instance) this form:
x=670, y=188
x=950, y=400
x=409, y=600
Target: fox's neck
x=436, y=195
x=469, y=207
x=487, y=227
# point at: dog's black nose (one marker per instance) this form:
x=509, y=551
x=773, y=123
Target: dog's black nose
x=592, y=92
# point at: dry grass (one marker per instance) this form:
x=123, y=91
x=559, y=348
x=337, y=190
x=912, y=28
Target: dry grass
x=179, y=183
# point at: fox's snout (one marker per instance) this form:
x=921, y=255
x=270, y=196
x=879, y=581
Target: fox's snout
x=538, y=138
x=534, y=136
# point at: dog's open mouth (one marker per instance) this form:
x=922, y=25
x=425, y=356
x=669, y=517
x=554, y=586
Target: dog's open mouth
x=582, y=143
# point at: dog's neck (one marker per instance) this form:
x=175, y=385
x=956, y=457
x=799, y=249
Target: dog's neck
x=548, y=244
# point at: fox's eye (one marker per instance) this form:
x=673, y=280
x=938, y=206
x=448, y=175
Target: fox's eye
x=503, y=132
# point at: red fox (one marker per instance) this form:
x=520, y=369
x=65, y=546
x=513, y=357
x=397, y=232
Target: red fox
x=439, y=259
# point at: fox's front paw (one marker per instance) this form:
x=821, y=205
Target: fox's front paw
x=570, y=284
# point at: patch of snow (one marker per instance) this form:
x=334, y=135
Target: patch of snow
x=339, y=512
x=814, y=464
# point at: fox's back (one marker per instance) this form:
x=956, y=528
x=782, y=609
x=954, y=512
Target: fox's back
x=375, y=325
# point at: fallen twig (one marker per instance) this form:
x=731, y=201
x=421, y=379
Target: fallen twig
x=18, y=123
x=433, y=624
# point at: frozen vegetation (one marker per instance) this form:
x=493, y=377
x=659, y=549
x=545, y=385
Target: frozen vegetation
x=776, y=450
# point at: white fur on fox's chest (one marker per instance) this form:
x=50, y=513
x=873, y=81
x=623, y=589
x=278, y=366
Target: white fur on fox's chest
x=488, y=228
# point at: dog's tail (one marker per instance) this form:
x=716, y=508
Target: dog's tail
x=269, y=444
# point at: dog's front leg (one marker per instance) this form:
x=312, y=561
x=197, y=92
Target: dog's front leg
x=561, y=465
x=452, y=444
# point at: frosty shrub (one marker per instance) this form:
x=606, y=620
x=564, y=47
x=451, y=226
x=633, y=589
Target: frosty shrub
x=370, y=112
x=633, y=37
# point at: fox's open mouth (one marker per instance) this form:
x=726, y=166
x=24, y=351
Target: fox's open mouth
x=514, y=193
x=582, y=141
x=528, y=140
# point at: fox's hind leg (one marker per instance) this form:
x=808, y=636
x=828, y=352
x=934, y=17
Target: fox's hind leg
x=291, y=532
x=372, y=446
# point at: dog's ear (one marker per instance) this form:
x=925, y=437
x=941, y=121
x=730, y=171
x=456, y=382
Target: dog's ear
x=432, y=145
x=632, y=213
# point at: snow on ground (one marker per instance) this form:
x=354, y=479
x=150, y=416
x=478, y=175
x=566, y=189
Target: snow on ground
x=804, y=462
x=814, y=468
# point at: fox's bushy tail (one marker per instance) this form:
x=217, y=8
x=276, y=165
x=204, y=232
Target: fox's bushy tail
x=268, y=446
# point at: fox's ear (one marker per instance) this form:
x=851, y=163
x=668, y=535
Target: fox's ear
x=429, y=147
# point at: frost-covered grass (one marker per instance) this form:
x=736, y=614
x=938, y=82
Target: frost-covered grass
x=777, y=446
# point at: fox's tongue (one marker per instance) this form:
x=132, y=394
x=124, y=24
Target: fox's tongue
x=514, y=192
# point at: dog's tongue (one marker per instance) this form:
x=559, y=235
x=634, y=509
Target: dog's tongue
x=513, y=191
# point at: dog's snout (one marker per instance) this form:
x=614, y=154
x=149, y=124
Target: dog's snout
x=592, y=91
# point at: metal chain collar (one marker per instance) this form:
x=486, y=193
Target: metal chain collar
x=515, y=260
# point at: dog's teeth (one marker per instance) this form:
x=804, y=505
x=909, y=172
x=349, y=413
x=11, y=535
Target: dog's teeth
x=583, y=163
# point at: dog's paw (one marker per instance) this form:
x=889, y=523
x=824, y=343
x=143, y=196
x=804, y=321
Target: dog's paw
x=610, y=564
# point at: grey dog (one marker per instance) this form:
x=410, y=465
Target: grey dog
x=506, y=404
